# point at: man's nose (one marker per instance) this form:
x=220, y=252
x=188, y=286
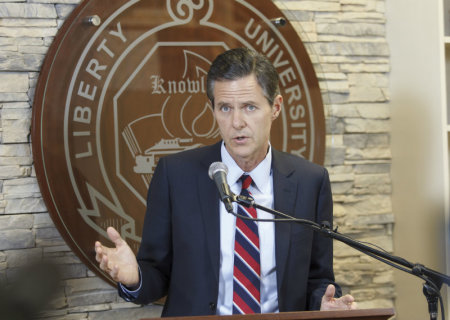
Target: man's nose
x=238, y=119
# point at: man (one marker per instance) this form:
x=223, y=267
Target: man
x=189, y=248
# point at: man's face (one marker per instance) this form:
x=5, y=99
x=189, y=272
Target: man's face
x=244, y=117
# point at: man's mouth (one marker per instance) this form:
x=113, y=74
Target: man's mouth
x=240, y=139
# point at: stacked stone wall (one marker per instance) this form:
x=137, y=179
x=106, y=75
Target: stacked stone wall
x=346, y=40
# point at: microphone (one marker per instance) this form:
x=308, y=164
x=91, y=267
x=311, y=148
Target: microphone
x=218, y=172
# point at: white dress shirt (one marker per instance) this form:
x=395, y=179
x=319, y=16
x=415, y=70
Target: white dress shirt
x=262, y=192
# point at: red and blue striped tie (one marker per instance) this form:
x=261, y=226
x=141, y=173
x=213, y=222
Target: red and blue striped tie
x=247, y=268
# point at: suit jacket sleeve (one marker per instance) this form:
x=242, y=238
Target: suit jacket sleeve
x=155, y=252
x=321, y=268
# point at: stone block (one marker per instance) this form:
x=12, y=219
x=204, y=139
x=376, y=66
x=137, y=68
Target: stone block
x=15, y=61
x=16, y=124
x=362, y=17
x=72, y=271
x=373, y=168
x=27, y=205
x=48, y=41
x=343, y=111
x=334, y=126
x=342, y=177
x=376, y=303
x=368, y=205
x=341, y=187
x=22, y=10
x=366, y=94
x=374, y=111
x=64, y=10
x=10, y=172
x=348, y=278
x=334, y=97
x=140, y=312
x=340, y=169
x=331, y=76
x=58, y=302
x=67, y=258
x=334, y=140
x=89, y=308
x=43, y=220
x=15, y=105
x=33, y=49
x=309, y=5
x=373, y=184
x=13, y=82
x=14, y=150
x=16, y=239
x=23, y=165
x=23, y=257
x=364, y=67
x=378, y=140
x=27, y=23
x=53, y=314
x=20, y=221
x=304, y=26
x=92, y=298
x=368, y=154
x=373, y=293
x=381, y=241
x=358, y=141
x=335, y=86
x=47, y=233
x=76, y=286
x=328, y=67
x=352, y=29
x=384, y=278
x=56, y=251
x=24, y=186
x=364, y=220
x=35, y=32
x=358, y=125
x=352, y=48
x=379, y=80
x=27, y=41
x=12, y=97
x=334, y=156
x=56, y=1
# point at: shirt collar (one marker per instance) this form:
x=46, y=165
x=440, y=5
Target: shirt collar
x=260, y=175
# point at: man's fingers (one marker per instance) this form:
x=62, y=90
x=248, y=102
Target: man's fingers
x=347, y=302
x=114, y=236
x=348, y=299
x=104, y=263
x=353, y=306
x=114, y=273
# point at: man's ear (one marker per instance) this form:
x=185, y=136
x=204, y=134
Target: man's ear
x=277, y=105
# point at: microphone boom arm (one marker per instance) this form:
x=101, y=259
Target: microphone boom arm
x=433, y=279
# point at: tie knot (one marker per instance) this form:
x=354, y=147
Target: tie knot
x=246, y=181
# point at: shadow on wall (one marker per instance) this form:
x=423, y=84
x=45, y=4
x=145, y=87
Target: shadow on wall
x=29, y=291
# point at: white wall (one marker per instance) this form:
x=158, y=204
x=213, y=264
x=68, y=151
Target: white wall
x=418, y=180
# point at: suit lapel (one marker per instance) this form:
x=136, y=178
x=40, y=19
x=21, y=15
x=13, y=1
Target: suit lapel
x=209, y=204
x=284, y=189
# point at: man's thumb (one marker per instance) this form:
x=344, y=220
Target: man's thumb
x=114, y=236
x=329, y=293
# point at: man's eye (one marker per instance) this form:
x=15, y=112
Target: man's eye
x=225, y=108
x=251, y=107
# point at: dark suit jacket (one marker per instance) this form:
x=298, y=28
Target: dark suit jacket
x=179, y=254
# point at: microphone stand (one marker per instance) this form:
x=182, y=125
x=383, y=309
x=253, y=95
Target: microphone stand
x=433, y=279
